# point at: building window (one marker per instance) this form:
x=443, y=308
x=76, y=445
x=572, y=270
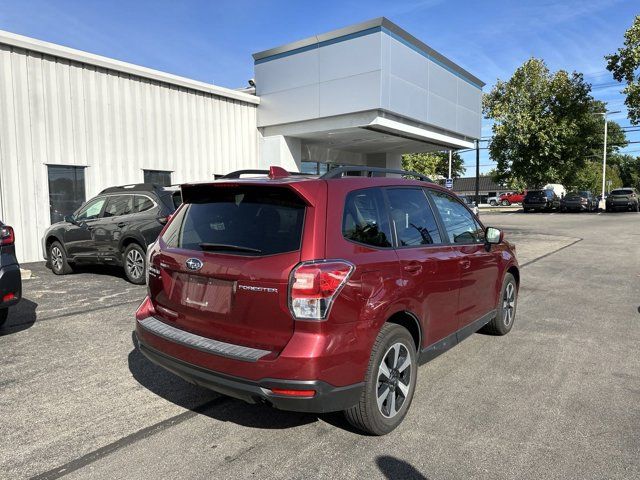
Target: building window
x=159, y=177
x=66, y=191
x=314, y=168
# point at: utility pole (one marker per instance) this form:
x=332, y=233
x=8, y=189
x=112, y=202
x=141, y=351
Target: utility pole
x=604, y=157
x=478, y=172
x=450, y=155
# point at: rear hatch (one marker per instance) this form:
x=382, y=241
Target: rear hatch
x=535, y=197
x=224, y=262
x=574, y=198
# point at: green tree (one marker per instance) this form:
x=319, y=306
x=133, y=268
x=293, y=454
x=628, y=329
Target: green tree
x=545, y=126
x=433, y=164
x=629, y=169
x=589, y=177
x=625, y=65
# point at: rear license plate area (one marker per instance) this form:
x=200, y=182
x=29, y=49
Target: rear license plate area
x=205, y=294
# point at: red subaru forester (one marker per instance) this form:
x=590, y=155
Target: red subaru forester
x=321, y=294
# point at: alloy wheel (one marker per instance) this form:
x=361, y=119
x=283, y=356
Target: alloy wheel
x=508, y=304
x=135, y=263
x=394, y=380
x=56, y=258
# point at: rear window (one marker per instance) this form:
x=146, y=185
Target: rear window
x=239, y=220
x=622, y=191
x=365, y=218
x=535, y=193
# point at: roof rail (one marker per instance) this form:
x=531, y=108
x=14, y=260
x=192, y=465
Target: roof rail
x=239, y=173
x=138, y=187
x=340, y=171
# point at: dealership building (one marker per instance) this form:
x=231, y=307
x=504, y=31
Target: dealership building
x=73, y=123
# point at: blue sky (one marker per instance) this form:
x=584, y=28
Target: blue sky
x=213, y=41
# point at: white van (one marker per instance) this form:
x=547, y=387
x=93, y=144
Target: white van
x=558, y=189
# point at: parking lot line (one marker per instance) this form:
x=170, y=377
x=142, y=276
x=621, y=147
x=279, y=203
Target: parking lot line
x=146, y=432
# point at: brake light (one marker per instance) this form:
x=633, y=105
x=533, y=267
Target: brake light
x=313, y=286
x=293, y=393
x=7, y=237
x=8, y=297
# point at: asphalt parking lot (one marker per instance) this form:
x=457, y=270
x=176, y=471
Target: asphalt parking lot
x=559, y=397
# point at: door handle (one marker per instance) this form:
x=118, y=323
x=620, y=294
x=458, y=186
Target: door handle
x=413, y=268
x=465, y=264
x=121, y=224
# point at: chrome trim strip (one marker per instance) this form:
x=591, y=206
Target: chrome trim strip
x=168, y=332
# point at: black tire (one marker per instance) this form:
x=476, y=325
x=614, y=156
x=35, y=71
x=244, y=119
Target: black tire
x=607, y=209
x=502, y=324
x=505, y=203
x=58, y=259
x=4, y=313
x=493, y=203
x=135, y=260
x=366, y=415
x=526, y=210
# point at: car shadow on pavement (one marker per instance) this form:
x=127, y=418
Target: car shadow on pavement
x=21, y=317
x=180, y=392
x=395, y=469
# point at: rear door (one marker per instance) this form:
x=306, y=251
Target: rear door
x=429, y=267
x=478, y=267
x=115, y=216
x=224, y=264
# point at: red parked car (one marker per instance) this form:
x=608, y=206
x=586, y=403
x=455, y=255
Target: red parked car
x=508, y=198
x=322, y=294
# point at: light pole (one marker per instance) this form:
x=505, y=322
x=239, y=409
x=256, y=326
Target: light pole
x=602, y=204
x=450, y=154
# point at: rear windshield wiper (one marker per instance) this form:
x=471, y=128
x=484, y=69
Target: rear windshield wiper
x=211, y=247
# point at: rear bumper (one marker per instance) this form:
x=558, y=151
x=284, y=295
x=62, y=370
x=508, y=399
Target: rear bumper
x=575, y=206
x=536, y=206
x=327, y=398
x=10, y=282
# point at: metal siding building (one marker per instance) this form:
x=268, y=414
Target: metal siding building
x=59, y=106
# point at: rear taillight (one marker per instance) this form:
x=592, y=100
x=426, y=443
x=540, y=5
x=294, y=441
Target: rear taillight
x=313, y=286
x=7, y=236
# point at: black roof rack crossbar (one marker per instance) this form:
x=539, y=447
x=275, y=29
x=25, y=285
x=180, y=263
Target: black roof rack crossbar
x=136, y=187
x=238, y=173
x=338, y=172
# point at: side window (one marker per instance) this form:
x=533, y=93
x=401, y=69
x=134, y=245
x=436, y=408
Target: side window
x=459, y=223
x=141, y=203
x=91, y=210
x=365, y=219
x=412, y=217
x=118, y=205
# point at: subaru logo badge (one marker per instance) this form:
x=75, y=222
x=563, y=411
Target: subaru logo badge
x=194, y=264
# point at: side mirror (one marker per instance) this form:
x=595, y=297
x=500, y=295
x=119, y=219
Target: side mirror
x=70, y=219
x=493, y=236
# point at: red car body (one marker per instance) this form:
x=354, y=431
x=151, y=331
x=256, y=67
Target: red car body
x=240, y=306
x=512, y=197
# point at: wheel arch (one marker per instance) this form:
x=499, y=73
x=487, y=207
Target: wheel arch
x=515, y=271
x=409, y=321
x=129, y=239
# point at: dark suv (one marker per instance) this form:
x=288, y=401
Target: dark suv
x=115, y=228
x=622, y=198
x=322, y=293
x=540, y=200
x=10, y=281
